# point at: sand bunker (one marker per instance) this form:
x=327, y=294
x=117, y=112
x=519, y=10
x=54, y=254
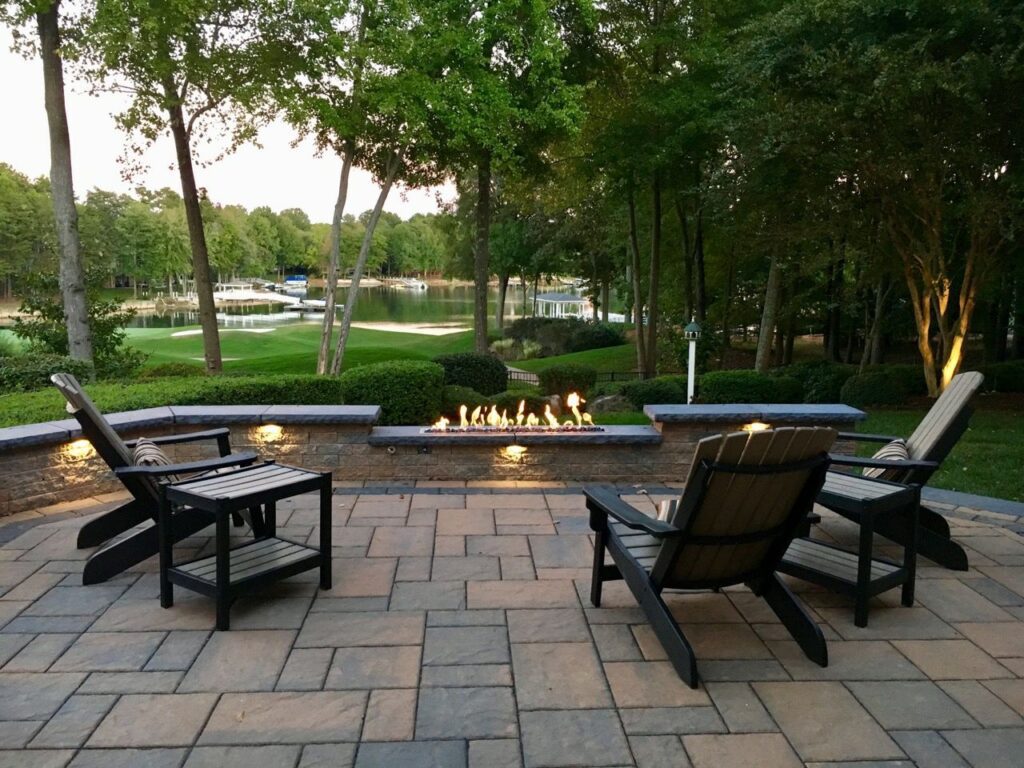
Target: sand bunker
x=424, y=329
x=198, y=331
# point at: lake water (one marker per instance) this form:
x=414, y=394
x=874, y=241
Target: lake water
x=437, y=304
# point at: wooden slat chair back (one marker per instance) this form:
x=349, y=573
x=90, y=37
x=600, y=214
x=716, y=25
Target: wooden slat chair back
x=746, y=497
x=946, y=420
x=733, y=520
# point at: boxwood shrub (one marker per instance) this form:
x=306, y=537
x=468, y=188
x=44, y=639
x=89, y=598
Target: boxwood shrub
x=408, y=391
x=569, y=377
x=165, y=370
x=738, y=387
x=23, y=373
x=821, y=380
x=595, y=336
x=874, y=388
x=909, y=377
x=484, y=373
x=509, y=401
x=453, y=396
x=658, y=390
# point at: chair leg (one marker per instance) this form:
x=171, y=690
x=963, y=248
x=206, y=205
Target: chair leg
x=596, y=576
x=930, y=544
x=119, y=556
x=677, y=647
x=112, y=523
x=796, y=619
x=933, y=521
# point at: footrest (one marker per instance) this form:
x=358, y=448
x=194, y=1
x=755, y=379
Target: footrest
x=831, y=561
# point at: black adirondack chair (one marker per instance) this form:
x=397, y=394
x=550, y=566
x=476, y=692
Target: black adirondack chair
x=745, y=498
x=929, y=445
x=142, y=483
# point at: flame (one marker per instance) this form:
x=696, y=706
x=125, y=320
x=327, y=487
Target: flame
x=488, y=417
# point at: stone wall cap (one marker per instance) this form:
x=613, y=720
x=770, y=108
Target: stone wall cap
x=32, y=434
x=218, y=414
x=731, y=414
x=144, y=417
x=322, y=414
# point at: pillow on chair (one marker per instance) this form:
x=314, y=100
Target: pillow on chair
x=894, y=451
x=149, y=454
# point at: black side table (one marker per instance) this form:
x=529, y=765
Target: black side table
x=863, y=500
x=233, y=571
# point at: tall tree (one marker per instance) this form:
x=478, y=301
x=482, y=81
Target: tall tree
x=189, y=66
x=65, y=212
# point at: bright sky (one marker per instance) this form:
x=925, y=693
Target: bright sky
x=276, y=175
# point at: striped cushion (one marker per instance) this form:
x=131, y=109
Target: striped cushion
x=895, y=451
x=149, y=454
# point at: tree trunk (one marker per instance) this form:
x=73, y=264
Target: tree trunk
x=833, y=317
x=364, y=253
x=196, y=235
x=638, y=299
x=873, y=337
x=65, y=214
x=1018, y=317
x=654, y=280
x=700, y=281
x=605, y=298
x=499, y=311
x=333, y=266
x=482, y=251
x=684, y=229
x=769, y=316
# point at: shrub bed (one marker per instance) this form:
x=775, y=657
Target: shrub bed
x=1004, y=377
x=663, y=389
x=509, y=401
x=453, y=396
x=558, y=336
x=821, y=380
x=562, y=379
x=408, y=391
x=25, y=373
x=484, y=373
x=166, y=370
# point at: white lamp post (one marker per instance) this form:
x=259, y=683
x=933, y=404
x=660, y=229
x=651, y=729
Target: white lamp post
x=691, y=333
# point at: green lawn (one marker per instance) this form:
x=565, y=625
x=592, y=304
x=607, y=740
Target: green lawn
x=620, y=358
x=291, y=349
x=986, y=461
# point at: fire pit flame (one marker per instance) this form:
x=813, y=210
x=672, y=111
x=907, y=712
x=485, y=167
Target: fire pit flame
x=488, y=419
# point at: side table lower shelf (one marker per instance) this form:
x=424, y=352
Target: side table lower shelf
x=252, y=564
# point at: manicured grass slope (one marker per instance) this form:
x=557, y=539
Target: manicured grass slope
x=986, y=461
x=620, y=358
x=292, y=349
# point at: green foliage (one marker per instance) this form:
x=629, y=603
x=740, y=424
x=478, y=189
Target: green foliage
x=739, y=387
x=408, y=391
x=911, y=377
x=595, y=336
x=559, y=336
x=875, y=388
x=455, y=396
x=27, y=372
x=788, y=390
x=165, y=370
x=562, y=379
x=48, y=405
x=1004, y=377
x=44, y=329
x=484, y=373
x=821, y=380
x=659, y=390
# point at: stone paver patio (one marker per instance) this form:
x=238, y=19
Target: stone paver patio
x=458, y=633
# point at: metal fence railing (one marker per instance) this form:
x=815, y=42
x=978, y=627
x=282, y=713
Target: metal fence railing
x=529, y=377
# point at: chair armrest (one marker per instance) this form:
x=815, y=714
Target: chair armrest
x=866, y=438
x=866, y=461
x=232, y=460
x=605, y=501
x=221, y=434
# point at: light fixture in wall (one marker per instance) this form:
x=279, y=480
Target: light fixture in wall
x=514, y=453
x=269, y=433
x=80, y=450
x=756, y=426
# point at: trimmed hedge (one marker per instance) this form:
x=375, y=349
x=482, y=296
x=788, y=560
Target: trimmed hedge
x=821, y=380
x=408, y=391
x=48, y=405
x=908, y=377
x=484, y=373
x=25, y=373
x=875, y=388
x=1004, y=377
x=557, y=336
x=569, y=377
x=660, y=390
x=746, y=387
x=166, y=370
x=595, y=336
x=453, y=396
